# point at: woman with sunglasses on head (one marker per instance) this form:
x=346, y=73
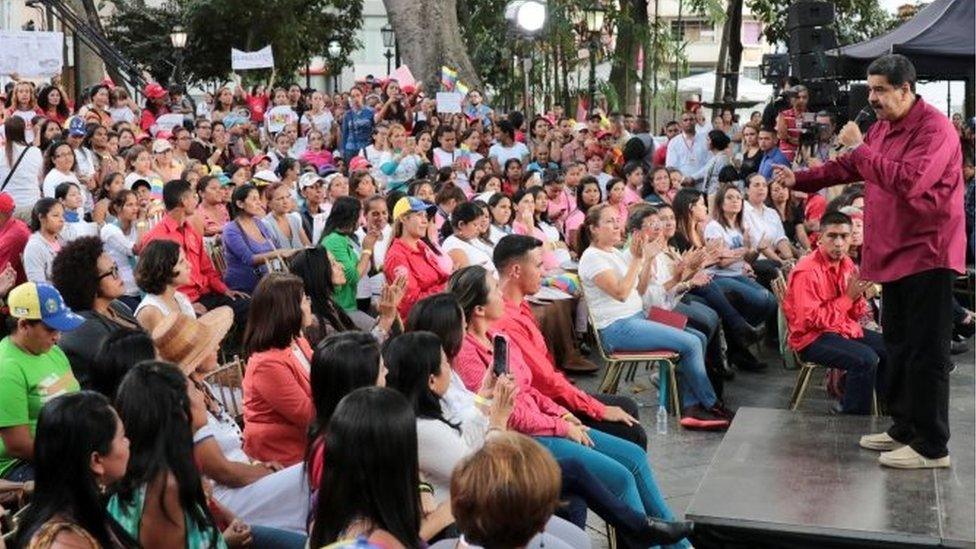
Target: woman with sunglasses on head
x=90, y=283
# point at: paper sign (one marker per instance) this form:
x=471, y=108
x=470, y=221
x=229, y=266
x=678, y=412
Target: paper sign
x=31, y=53
x=167, y=122
x=404, y=77
x=246, y=60
x=449, y=102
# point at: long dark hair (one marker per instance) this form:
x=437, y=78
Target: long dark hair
x=341, y=363
x=14, y=130
x=411, y=359
x=69, y=429
x=274, y=319
x=41, y=208
x=584, y=181
x=49, y=156
x=343, y=217
x=441, y=315
x=470, y=287
x=121, y=350
x=682, y=204
x=373, y=472
x=465, y=212
x=312, y=265
x=155, y=410
x=62, y=108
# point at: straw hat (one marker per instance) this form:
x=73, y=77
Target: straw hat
x=187, y=341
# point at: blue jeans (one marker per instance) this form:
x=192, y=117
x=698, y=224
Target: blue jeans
x=758, y=303
x=863, y=359
x=636, y=333
x=273, y=538
x=700, y=316
x=620, y=465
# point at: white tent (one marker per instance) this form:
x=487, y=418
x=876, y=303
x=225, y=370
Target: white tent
x=704, y=84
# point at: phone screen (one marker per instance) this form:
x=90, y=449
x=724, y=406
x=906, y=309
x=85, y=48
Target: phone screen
x=500, y=355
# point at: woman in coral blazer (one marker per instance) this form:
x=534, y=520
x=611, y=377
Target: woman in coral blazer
x=277, y=394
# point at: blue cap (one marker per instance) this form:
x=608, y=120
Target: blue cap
x=42, y=301
x=412, y=204
x=76, y=127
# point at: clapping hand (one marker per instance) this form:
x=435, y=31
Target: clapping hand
x=391, y=295
x=637, y=245
x=856, y=286
x=8, y=276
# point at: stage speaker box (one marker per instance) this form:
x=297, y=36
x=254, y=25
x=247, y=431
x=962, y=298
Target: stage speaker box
x=774, y=67
x=809, y=66
x=808, y=39
x=823, y=94
x=809, y=14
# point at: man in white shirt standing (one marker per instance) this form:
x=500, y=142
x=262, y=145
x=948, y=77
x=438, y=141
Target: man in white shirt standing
x=688, y=151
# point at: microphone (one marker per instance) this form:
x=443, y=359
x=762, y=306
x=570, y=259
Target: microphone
x=864, y=119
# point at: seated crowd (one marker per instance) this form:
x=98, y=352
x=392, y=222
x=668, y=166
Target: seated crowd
x=365, y=258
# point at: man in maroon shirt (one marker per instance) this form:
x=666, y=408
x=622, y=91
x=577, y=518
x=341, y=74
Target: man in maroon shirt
x=914, y=244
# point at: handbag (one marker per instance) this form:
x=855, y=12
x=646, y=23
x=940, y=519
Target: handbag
x=14, y=168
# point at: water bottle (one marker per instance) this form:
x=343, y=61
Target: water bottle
x=662, y=420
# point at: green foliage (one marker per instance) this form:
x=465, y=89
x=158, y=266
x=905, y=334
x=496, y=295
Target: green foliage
x=856, y=20
x=296, y=29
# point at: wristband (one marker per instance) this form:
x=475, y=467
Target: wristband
x=478, y=399
x=367, y=252
x=425, y=487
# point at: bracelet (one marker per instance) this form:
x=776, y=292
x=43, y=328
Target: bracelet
x=478, y=399
x=426, y=487
x=367, y=252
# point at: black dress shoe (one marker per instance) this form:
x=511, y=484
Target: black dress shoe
x=660, y=532
x=720, y=410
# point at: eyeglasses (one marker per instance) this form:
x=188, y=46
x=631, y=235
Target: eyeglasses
x=114, y=273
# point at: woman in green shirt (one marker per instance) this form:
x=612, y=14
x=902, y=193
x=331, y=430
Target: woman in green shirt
x=356, y=259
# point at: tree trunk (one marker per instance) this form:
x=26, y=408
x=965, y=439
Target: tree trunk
x=429, y=36
x=735, y=50
x=89, y=69
x=623, y=73
x=722, y=65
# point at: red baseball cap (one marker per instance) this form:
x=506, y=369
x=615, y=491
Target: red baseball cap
x=358, y=163
x=154, y=91
x=6, y=203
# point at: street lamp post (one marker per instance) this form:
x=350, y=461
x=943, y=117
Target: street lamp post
x=177, y=38
x=594, y=26
x=389, y=42
x=528, y=18
x=335, y=50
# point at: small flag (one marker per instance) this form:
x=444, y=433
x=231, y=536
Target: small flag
x=461, y=88
x=448, y=78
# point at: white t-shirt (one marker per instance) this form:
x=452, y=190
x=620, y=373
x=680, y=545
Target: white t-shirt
x=733, y=239
x=119, y=245
x=477, y=255
x=55, y=178
x=762, y=223
x=28, y=127
x=24, y=185
x=322, y=122
x=605, y=309
x=503, y=154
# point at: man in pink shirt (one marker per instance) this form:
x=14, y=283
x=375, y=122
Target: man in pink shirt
x=914, y=244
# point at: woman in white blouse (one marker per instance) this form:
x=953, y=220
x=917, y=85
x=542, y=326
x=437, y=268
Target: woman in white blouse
x=162, y=268
x=465, y=245
x=121, y=237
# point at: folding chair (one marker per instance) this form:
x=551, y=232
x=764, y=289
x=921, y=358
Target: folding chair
x=215, y=250
x=806, y=367
x=617, y=362
x=226, y=382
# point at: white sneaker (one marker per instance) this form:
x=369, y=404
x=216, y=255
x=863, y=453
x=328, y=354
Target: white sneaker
x=907, y=458
x=880, y=442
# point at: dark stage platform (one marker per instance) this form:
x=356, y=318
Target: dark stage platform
x=787, y=479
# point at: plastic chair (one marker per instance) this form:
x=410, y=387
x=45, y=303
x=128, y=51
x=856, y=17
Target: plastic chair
x=226, y=382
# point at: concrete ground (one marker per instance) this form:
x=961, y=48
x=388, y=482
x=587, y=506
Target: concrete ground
x=680, y=458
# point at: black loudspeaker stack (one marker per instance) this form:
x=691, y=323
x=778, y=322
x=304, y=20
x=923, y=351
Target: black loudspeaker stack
x=810, y=26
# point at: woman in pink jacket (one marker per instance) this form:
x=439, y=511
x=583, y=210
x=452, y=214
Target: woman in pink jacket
x=277, y=392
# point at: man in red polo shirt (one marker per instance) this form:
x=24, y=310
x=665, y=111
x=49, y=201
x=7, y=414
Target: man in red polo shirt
x=823, y=304
x=914, y=244
x=206, y=289
x=518, y=259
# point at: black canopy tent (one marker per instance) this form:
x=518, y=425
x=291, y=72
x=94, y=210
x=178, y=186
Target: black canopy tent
x=939, y=40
